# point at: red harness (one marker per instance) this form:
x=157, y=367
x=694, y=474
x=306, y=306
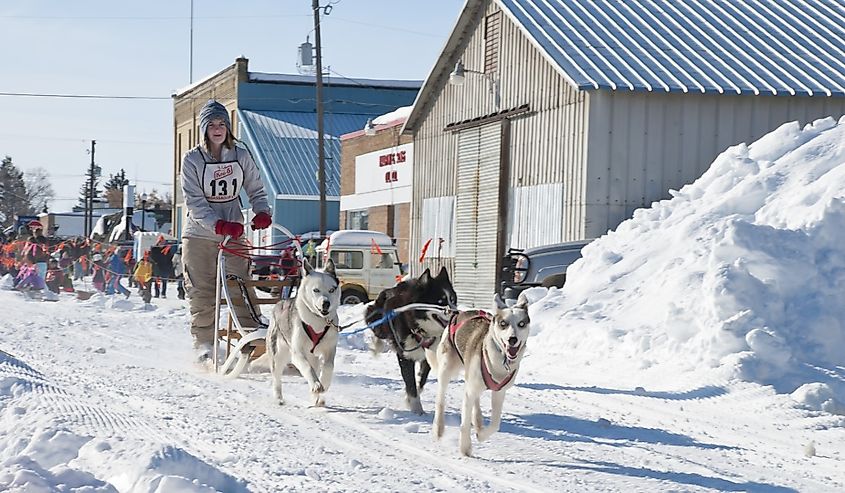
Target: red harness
x=453, y=328
x=489, y=381
x=314, y=335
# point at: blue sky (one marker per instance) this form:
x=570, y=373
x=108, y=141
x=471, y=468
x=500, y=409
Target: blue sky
x=142, y=49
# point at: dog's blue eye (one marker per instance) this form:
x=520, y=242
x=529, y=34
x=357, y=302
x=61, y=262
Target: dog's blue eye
x=316, y=290
x=332, y=290
x=503, y=323
x=521, y=324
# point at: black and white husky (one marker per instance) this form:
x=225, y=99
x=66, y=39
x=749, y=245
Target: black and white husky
x=303, y=331
x=413, y=335
x=489, y=349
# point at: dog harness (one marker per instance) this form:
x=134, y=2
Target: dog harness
x=314, y=335
x=489, y=381
x=454, y=326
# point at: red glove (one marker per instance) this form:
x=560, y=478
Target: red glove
x=226, y=228
x=261, y=220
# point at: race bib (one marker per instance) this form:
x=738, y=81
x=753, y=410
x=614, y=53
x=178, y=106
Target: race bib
x=222, y=182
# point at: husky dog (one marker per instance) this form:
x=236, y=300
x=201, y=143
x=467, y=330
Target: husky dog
x=414, y=334
x=303, y=331
x=489, y=349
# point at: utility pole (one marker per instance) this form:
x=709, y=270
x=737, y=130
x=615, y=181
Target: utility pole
x=321, y=151
x=89, y=206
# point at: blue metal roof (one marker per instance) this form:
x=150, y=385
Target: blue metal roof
x=284, y=145
x=782, y=47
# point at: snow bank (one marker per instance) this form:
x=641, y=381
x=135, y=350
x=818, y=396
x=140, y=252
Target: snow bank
x=742, y=272
x=52, y=440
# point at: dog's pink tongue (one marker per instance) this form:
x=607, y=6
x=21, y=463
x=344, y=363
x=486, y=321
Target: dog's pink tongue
x=512, y=351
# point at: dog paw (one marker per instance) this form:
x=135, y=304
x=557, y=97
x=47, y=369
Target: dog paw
x=484, y=433
x=415, y=406
x=317, y=388
x=437, y=430
x=319, y=401
x=466, y=449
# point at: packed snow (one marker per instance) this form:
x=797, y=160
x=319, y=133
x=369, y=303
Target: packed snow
x=698, y=347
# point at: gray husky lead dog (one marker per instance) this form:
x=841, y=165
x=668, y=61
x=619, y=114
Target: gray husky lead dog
x=303, y=331
x=489, y=349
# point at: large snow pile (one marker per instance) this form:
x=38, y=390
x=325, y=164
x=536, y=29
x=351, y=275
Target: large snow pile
x=740, y=275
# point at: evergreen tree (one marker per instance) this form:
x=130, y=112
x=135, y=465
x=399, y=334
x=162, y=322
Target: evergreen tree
x=15, y=198
x=84, y=193
x=114, y=188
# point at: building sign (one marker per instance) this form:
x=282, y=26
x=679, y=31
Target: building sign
x=382, y=177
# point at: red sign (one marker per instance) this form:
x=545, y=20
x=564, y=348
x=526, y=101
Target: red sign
x=391, y=176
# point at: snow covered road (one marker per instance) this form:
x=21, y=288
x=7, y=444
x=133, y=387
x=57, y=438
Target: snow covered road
x=102, y=394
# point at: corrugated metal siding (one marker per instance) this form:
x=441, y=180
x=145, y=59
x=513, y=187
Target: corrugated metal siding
x=476, y=209
x=438, y=223
x=535, y=215
x=643, y=144
x=546, y=146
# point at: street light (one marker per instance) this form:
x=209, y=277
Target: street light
x=457, y=77
x=369, y=128
x=143, y=210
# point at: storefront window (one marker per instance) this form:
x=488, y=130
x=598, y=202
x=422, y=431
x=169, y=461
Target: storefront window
x=358, y=219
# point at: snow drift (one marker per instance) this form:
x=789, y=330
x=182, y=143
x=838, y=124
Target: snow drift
x=741, y=274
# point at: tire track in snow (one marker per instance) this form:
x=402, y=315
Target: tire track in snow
x=75, y=411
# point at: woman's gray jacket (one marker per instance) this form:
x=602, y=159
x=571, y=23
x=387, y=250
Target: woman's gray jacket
x=211, y=190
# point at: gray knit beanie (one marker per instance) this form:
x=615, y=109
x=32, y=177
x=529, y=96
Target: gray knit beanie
x=210, y=111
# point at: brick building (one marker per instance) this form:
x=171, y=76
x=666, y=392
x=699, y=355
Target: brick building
x=375, y=180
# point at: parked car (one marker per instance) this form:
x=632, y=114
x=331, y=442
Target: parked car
x=539, y=266
x=366, y=263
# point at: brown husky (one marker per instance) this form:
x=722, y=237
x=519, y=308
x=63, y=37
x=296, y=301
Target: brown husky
x=489, y=349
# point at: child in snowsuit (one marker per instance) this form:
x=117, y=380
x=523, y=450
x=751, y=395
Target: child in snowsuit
x=143, y=274
x=29, y=280
x=117, y=269
x=99, y=270
x=55, y=276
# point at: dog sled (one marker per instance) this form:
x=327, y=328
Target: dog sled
x=243, y=337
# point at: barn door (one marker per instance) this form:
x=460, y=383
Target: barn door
x=477, y=212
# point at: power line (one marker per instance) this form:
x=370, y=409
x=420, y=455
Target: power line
x=148, y=18
x=80, y=139
x=83, y=96
x=161, y=98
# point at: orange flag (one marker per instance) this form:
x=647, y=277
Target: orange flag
x=424, y=249
x=374, y=248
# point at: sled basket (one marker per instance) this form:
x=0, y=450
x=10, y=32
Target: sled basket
x=245, y=327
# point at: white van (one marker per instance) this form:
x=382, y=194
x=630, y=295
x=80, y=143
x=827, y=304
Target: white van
x=366, y=262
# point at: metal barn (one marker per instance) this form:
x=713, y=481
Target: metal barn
x=572, y=114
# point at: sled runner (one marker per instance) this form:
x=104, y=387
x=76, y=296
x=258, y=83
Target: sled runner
x=244, y=335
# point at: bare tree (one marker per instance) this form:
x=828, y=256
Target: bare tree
x=39, y=190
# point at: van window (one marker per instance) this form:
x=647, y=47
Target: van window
x=347, y=260
x=382, y=260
